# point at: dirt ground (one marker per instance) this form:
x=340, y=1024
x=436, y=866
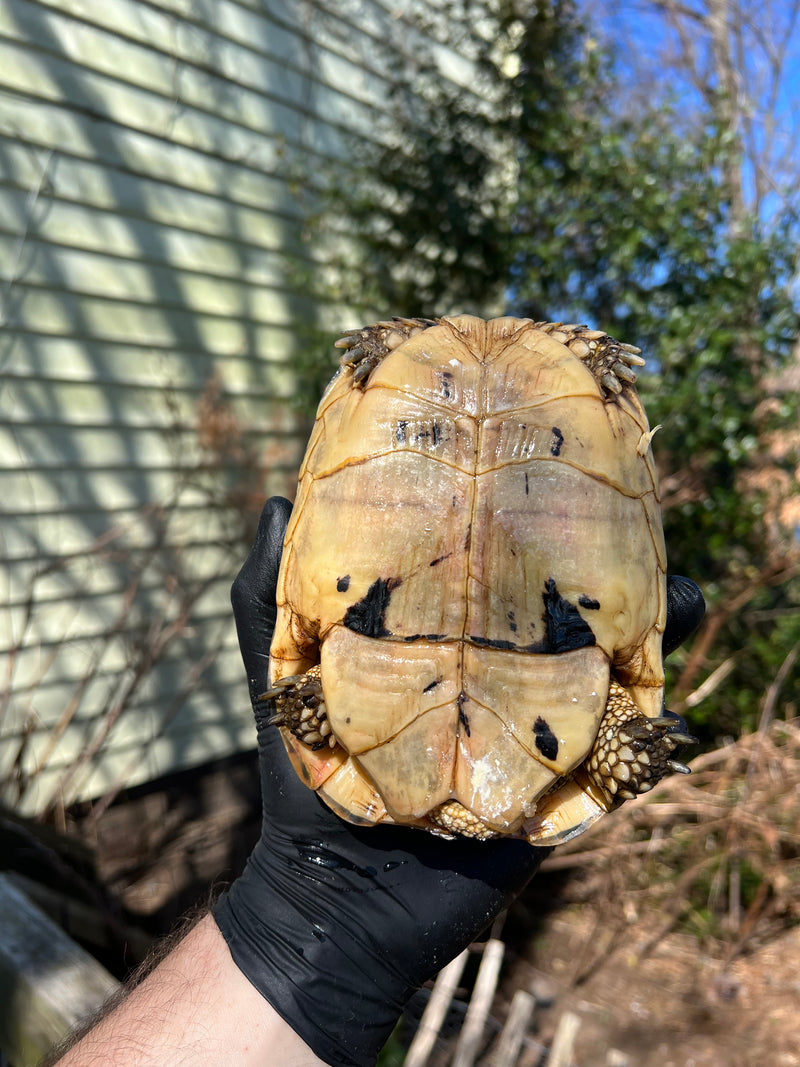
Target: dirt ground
x=675, y=1007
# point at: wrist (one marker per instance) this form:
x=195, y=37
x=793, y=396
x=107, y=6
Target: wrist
x=311, y=960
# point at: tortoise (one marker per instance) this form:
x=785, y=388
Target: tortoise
x=472, y=592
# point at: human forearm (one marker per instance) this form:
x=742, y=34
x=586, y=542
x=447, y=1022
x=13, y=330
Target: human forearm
x=196, y=1008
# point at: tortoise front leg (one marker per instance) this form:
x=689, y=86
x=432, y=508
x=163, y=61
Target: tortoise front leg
x=366, y=347
x=632, y=752
x=300, y=707
x=611, y=362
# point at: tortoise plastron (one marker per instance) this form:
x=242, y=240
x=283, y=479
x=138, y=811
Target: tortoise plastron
x=472, y=592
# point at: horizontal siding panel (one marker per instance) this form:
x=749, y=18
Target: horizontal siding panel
x=50, y=127
x=73, y=533
x=87, y=404
x=142, y=733
x=97, y=275
x=120, y=366
x=178, y=26
x=101, y=584
x=370, y=26
x=45, y=685
x=171, y=198
x=203, y=499
x=177, y=367
x=106, y=680
x=98, y=229
x=87, y=444
x=133, y=765
x=228, y=243
x=141, y=723
x=88, y=622
x=43, y=658
x=54, y=586
x=307, y=47
x=31, y=562
x=37, y=680
x=203, y=116
x=185, y=59
x=65, y=268
x=172, y=329
x=179, y=471
x=119, y=492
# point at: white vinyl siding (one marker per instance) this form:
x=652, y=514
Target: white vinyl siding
x=149, y=232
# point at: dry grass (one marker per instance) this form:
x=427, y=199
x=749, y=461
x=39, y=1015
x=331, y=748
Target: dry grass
x=716, y=853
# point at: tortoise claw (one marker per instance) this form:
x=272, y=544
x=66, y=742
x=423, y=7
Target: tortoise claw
x=279, y=687
x=683, y=739
x=632, y=753
x=609, y=361
x=679, y=768
x=365, y=348
x=301, y=709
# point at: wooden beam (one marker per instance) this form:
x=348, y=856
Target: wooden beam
x=48, y=984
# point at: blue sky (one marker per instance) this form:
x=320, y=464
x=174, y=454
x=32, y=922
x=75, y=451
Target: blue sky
x=672, y=55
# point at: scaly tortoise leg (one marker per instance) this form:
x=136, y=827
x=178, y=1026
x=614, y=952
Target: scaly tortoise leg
x=631, y=752
x=300, y=707
x=610, y=361
x=366, y=347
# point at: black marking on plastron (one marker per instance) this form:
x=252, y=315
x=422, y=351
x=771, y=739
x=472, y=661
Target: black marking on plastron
x=512, y=621
x=546, y=740
x=489, y=642
x=588, y=603
x=400, y=432
x=527, y=487
x=432, y=685
x=367, y=616
x=565, y=627
x=447, y=384
x=462, y=715
x=343, y=584
x=556, y=441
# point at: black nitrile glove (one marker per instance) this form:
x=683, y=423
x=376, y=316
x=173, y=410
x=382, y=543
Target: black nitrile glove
x=337, y=926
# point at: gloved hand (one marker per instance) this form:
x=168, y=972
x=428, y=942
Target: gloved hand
x=337, y=925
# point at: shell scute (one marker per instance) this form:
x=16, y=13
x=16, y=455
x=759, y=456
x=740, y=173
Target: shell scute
x=490, y=766
x=415, y=769
x=394, y=676
x=565, y=692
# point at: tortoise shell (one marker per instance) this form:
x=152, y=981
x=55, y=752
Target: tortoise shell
x=472, y=592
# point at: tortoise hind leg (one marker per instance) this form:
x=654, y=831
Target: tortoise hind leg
x=632, y=752
x=300, y=707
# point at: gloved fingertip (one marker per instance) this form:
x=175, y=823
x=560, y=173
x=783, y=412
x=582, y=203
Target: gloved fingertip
x=259, y=573
x=686, y=607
